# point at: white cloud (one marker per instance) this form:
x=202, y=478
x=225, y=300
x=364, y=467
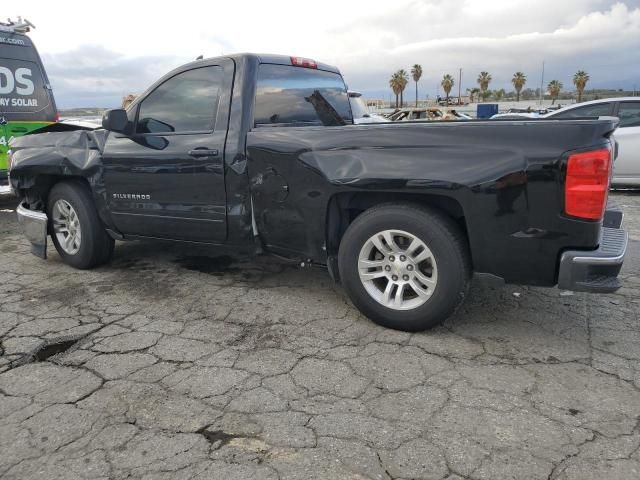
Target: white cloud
x=96, y=53
x=92, y=75
x=606, y=44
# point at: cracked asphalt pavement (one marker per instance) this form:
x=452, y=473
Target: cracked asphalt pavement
x=176, y=363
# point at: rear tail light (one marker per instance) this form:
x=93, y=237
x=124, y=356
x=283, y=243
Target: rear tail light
x=303, y=62
x=56, y=119
x=587, y=184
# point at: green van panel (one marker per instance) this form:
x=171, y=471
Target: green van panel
x=26, y=100
x=12, y=130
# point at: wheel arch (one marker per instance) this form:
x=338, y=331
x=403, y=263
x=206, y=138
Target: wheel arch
x=35, y=190
x=379, y=257
x=344, y=208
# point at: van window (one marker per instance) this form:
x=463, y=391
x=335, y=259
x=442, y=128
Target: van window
x=295, y=96
x=22, y=89
x=187, y=102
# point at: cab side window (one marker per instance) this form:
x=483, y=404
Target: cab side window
x=187, y=102
x=629, y=114
x=597, y=110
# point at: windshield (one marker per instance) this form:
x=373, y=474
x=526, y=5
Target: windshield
x=358, y=107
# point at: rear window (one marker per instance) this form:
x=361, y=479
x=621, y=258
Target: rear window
x=295, y=96
x=23, y=94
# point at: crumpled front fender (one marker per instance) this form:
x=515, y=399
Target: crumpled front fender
x=40, y=160
x=78, y=152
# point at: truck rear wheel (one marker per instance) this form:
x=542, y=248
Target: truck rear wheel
x=404, y=266
x=76, y=229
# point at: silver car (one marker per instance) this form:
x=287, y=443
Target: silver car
x=626, y=170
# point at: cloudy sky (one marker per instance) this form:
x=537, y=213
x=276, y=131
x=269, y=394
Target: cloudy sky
x=96, y=55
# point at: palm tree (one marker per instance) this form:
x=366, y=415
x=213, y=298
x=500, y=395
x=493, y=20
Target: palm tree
x=472, y=93
x=483, y=80
x=486, y=94
x=403, y=79
x=554, y=88
x=394, y=83
x=499, y=94
x=447, y=84
x=416, y=73
x=580, y=80
x=518, y=80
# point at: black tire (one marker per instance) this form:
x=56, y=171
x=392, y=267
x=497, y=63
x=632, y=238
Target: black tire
x=96, y=246
x=447, y=244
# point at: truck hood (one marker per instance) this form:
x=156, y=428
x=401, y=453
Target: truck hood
x=58, y=152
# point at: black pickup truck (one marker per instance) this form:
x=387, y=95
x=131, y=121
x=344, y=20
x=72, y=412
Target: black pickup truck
x=260, y=153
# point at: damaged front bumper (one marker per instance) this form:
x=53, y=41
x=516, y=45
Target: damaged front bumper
x=34, y=227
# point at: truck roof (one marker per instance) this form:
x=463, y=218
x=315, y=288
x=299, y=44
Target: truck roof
x=262, y=58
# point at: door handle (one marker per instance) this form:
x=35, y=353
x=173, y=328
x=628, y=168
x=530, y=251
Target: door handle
x=203, y=152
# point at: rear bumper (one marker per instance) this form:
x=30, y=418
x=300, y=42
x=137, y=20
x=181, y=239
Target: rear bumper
x=34, y=227
x=596, y=271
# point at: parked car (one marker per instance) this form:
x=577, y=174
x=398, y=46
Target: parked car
x=426, y=114
x=413, y=114
x=459, y=115
x=360, y=110
x=626, y=170
x=260, y=154
x=452, y=101
x=26, y=99
x=524, y=112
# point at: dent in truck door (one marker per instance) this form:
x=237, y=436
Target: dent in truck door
x=285, y=191
x=166, y=179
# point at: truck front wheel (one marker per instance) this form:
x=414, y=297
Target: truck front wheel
x=404, y=266
x=76, y=229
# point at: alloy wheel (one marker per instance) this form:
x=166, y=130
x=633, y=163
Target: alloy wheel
x=66, y=226
x=397, y=269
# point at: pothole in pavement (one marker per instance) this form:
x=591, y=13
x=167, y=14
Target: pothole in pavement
x=50, y=349
x=219, y=438
x=47, y=349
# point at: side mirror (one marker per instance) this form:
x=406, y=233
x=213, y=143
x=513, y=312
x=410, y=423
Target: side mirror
x=115, y=120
